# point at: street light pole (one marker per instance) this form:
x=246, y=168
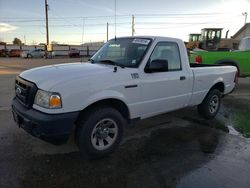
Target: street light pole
x=245, y=14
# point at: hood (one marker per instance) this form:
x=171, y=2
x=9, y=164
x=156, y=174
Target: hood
x=48, y=76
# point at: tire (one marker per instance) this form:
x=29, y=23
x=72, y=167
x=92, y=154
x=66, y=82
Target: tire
x=210, y=105
x=29, y=56
x=100, y=133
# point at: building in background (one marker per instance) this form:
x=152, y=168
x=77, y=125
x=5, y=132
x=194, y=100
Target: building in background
x=243, y=32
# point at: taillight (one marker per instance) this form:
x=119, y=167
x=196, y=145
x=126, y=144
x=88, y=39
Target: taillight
x=236, y=78
x=198, y=59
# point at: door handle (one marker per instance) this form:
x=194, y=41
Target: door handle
x=183, y=78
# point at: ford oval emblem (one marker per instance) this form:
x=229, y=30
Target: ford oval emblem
x=18, y=91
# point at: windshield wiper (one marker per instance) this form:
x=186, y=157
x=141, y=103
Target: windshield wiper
x=111, y=62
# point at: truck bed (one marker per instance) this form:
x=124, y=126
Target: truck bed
x=194, y=65
x=204, y=78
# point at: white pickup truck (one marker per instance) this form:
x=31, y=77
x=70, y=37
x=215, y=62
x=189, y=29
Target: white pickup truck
x=128, y=79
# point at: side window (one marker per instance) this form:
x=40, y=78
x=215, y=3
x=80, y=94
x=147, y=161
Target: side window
x=167, y=51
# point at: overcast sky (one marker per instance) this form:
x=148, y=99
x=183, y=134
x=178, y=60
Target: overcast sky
x=25, y=19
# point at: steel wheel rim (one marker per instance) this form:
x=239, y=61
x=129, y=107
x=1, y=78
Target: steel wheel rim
x=104, y=134
x=214, y=104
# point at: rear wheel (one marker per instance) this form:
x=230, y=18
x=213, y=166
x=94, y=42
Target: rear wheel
x=210, y=105
x=101, y=133
x=29, y=56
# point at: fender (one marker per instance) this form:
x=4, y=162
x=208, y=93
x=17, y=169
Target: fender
x=218, y=80
x=105, y=94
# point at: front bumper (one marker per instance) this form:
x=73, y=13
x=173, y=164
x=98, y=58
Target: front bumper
x=52, y=128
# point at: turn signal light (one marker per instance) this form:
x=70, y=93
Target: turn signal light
x=236, y=78
x=55, y=101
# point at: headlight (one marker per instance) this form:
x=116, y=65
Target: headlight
x=48, y=99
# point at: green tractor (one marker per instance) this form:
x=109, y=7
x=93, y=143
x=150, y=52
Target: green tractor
x=194, y=41
x=210, y=38
x=193, y=37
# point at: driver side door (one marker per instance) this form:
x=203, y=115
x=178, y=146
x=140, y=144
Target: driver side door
x=165, y=90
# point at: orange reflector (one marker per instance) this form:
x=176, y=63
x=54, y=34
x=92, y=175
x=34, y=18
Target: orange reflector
x=55, y=101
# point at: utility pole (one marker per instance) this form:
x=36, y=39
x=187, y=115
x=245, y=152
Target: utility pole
x=47, y=25
x=245, y=14
x=115, y=18
x=83, y=27
x=24, y=38
x=107, y=31
x=133, y=25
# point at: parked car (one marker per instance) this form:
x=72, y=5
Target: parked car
x=239, y=58
x=73, y=52
x=59, y=53
x=128, y=79
x=34, y=53
x=15, y=53
x=4, y=53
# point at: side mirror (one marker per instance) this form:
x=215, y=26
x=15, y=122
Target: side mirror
x=157, y=65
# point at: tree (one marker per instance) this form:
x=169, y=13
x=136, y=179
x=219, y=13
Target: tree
x=2, y=43
x=17, y=41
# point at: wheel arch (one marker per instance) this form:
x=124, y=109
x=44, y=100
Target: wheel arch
x=219, y=85
x=117, y=104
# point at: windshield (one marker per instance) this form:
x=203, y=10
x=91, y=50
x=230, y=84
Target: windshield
x=125, y=52
x=244, y=44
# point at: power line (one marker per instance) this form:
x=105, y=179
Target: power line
x=78, y=25
x=28, y=19
x=64, y=19
x=122, y=24
x=99, y=23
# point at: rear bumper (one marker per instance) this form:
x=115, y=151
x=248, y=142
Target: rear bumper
x=52, y=128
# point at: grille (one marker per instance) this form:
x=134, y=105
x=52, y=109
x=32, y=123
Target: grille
x=25, y=91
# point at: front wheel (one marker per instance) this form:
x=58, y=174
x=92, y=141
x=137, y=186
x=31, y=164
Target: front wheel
x=100, y=133
x=210, y=105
